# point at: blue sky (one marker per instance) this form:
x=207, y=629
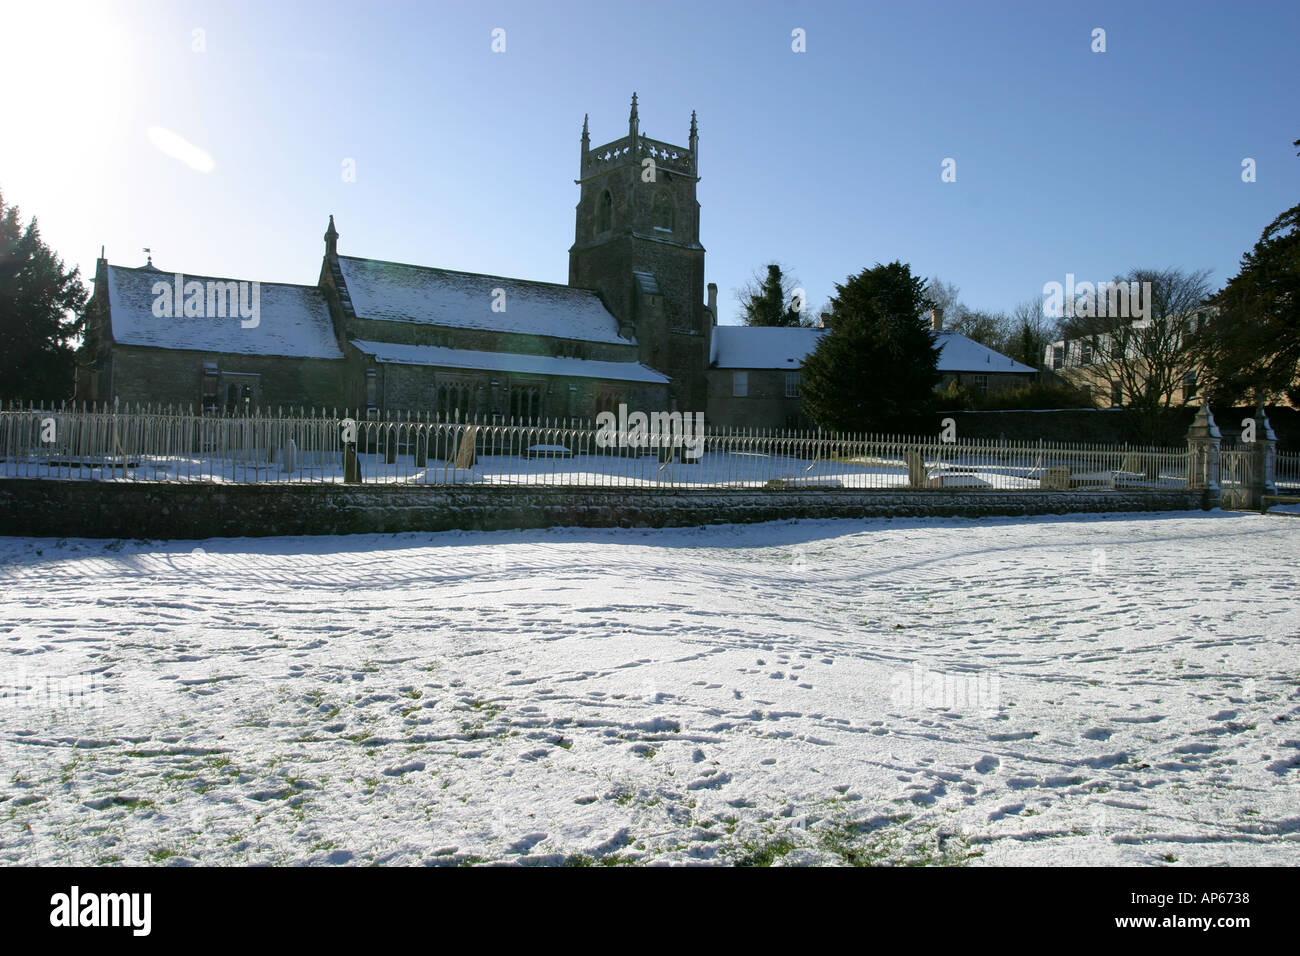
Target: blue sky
x=828, y=160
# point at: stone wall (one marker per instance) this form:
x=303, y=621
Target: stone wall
x=53, y=508
x=765, y=405
x=174, y=377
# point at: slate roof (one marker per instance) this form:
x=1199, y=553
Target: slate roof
x=293, y=320
x=441, y=357
x=760, y=347
x=396, y=292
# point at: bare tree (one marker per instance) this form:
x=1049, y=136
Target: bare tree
x=1131, y=337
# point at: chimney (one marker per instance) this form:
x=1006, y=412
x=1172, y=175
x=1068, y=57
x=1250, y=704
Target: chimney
x=713, y=301
x=936, y=319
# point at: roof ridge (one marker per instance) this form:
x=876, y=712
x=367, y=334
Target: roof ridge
x=155, y=271
x=478, y=275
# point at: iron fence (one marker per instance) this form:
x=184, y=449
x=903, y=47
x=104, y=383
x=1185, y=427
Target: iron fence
x=111, y=443
x=1286, y=475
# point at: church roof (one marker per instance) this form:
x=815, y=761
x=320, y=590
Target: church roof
x=395, y=292
x=292, y=320
x=441, y=357
x=771, y=347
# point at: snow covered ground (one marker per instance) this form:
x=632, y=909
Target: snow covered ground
x=1081, y=690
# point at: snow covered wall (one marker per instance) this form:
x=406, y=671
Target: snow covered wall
x=94, y=509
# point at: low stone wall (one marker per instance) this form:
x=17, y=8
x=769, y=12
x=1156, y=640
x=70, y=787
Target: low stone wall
x=54, y=508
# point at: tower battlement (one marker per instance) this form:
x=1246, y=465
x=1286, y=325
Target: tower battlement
x=634, y=148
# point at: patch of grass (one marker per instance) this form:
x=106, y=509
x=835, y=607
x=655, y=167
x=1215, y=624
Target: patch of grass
x=893, y=844
x=578, y=859
x=157, y=856
x=765, y=853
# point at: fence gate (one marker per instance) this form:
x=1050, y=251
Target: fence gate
x=1236, y=477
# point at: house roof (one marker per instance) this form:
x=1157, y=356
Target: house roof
x=441, y=357
x=293, y=320
x=395, y=292
x=764, y=347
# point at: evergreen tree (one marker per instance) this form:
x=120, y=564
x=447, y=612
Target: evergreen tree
x=1251, y=349
x=877, y=368
x=39, y=306
x=771, y=301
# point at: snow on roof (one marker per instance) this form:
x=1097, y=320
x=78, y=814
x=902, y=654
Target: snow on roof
x=962, y=354
x=293, y=320
x=741, y=346
x=508, y=362
x=394, y=292
x=746, y=346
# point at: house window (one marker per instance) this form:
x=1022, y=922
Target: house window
x=1058, y=356
x=663, y=213
x=1189, y=384
x=739, y=384
x=792, y=384
x=1087, y=354
x=372, y=388
x=604, y=212
x=1116, y=395
x=981, y=384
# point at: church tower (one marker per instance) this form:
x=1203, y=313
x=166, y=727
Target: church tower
x=637, y=243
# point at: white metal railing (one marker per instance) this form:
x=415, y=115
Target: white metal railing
x=111, y=443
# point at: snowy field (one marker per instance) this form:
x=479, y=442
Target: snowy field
x=1118, y=690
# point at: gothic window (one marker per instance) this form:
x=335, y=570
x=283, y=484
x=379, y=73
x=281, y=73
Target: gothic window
x=604, y=212
x=607, y=400
x=525, y=403
x=211, y=386
x=454, y=402
x=663, y=213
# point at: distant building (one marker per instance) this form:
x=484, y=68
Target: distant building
x=1089, y=363
x=754, y=372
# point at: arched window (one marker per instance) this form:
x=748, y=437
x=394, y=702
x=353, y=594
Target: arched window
x=604, y=212
x=663, y=213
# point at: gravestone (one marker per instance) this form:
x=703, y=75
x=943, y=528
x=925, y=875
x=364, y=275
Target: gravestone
x=465, y=457
x=916, y=473
x=288, y=457
x=351, y=466
x=1055, y=479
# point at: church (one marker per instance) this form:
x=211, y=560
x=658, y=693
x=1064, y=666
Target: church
x=632, y=326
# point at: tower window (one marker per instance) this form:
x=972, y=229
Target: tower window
x=604, y=212
x=663, y=213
